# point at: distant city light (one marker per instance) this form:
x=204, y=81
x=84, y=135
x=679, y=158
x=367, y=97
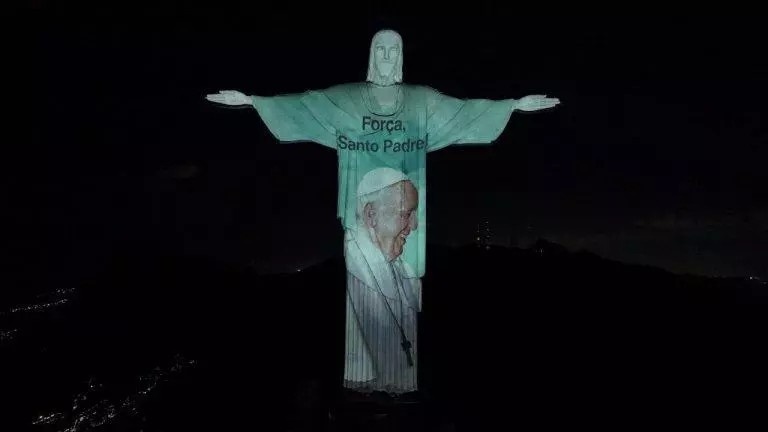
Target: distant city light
x=483, y=234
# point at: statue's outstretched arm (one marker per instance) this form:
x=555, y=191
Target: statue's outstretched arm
x=290, y=117
x=230, y=97
x=452, y=120
x=536, y=102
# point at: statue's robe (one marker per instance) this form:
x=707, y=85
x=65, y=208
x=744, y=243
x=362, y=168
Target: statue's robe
x=383, y=297
x=366, y=136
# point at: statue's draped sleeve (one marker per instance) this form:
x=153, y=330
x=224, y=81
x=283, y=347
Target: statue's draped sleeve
x=302, y=117
x=465, y=121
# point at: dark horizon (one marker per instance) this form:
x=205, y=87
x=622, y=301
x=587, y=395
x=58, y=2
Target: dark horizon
x=589, y=339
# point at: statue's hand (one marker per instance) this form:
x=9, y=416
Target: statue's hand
x=229, y=97
x=536, y=102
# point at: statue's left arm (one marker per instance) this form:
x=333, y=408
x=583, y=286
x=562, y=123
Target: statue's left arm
x=473, y=121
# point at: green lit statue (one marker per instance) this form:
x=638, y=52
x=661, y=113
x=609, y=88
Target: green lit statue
x=382, y=130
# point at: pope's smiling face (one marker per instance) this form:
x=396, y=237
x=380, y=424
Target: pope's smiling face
x=392, y=218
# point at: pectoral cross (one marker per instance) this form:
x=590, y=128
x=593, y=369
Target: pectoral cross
x=406, y=344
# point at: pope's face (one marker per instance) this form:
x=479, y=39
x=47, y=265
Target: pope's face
x=394, y=218
x=386, y=53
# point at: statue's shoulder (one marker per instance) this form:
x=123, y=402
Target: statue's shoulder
x=424, y=91
x=344, y=88
x=340, y=93
x=356, y=86
x=419, y=87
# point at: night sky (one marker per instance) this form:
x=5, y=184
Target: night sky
x=657, y=154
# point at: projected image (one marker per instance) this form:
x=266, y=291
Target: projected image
x=383, y=290
x=386, y=210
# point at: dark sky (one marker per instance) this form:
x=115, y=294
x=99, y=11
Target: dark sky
x=656, y=156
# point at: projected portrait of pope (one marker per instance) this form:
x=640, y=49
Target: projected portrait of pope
x=387, y=215
x=384, y=292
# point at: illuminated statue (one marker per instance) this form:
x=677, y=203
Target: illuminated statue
x=382, y=130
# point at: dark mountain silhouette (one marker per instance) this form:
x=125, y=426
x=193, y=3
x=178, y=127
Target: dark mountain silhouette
x=517, y=335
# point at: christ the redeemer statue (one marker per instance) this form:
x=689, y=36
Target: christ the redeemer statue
x=382, y=130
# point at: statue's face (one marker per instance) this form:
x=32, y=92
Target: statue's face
x=386, y=50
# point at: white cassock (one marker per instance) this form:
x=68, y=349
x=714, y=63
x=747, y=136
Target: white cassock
x=382, y=297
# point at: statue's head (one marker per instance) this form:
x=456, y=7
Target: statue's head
x=385, y=63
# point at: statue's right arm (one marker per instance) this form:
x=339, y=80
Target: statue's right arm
x=230, y=97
